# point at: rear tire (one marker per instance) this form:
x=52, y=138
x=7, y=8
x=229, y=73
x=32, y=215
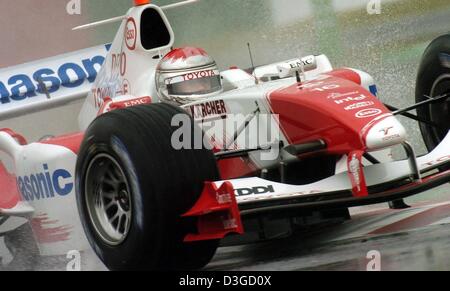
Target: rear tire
x=433, y=80
x=127, y=154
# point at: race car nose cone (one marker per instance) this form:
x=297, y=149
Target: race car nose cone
x=386, y=133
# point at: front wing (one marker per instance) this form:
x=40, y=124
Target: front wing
x=385, y=182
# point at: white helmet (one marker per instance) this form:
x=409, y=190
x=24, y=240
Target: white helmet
x=186, y=75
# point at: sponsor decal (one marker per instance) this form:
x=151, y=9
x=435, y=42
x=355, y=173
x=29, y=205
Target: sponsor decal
x=223, y=198
x=391, y=137
x=306, y=62
x=133, y=102
x=350, y=99
x=126, y=87
x=119, y=63
x=99, y=95
x=386, y=130
x=109, y=105
x=198, y=75
x=386, y=134
x=209, y=109
x=131, y=34
x=123, y=89
x=282, y=195
x=356, y=174
x=68, y=75
x=438, y=161
x=353, y=168
x=359, y=105
x=46, y=184
x=341, y=95
x=255, y=190
x=368, y=113
x=193, y=76
x=230, y=223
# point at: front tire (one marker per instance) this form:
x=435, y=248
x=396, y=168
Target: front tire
x=133, y=187
x=433, y=80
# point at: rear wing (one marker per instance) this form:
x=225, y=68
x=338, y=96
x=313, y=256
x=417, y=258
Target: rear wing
x=50, y=82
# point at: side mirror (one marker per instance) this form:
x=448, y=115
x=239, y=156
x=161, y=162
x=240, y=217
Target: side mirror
x=297, y=66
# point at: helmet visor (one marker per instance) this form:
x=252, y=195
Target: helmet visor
x=198, y=86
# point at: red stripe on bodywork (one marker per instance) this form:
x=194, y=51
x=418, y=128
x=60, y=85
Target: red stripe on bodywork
x=70, y=141
x=9, y=194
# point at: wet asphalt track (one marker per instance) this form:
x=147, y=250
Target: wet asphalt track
x=417, y=238
x=413, y=239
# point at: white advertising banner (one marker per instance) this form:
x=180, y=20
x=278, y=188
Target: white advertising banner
x=49, y=82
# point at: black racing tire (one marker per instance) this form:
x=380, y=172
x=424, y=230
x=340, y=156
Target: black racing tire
x=433, y=79
x=157, y=184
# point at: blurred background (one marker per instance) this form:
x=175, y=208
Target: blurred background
x=387, y=45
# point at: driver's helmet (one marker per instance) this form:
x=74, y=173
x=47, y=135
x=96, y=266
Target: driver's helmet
x=186, y=75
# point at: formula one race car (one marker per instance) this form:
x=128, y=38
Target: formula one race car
x=158, y=184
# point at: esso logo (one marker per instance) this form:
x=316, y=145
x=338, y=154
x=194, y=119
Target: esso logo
x=130, y=34
x=368, y=113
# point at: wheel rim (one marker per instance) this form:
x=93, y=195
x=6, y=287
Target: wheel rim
x=108, y=199
x=440, y=112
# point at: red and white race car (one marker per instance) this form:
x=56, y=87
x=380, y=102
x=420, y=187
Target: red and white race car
x=153, y=185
